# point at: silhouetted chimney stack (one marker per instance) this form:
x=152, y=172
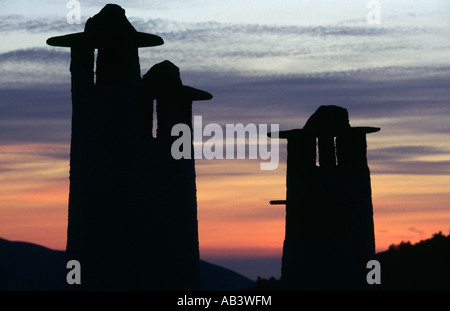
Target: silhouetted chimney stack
x=132, y=207
x=176, y=204
x=329, y=234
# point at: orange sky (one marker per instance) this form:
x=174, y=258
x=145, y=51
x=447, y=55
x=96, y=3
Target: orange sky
x=235, y=217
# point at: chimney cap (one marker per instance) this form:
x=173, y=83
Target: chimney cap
x=109, y=27
x=163, y=80
x=327, y=121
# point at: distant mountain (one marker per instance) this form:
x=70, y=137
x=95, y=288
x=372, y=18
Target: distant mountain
x=31, y=267
x=421, y=266
x=27, y=266
x=424, y=266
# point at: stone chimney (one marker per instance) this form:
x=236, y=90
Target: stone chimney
x=329, y=235
x=174, y=209
x=132, y=207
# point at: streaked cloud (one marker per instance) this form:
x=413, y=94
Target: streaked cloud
x=37, y=55
x=404, y=152
x=415, y=230
x=413, y=168
x=235, y=44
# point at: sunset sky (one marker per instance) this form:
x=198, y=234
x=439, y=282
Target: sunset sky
x=265, y=62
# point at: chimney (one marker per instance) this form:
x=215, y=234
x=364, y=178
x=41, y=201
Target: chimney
x=329, y=235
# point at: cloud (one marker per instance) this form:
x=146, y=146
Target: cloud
x=251, y=49
x=35, y=103
x=404, y=152
x=13, y=23
x=35, y=115
x=208, y=30
x=412, y=167
x=228, y=36
x=391, y=95
x=38, y=55
x=16, y=153
x=420, y=232
x=34, y=67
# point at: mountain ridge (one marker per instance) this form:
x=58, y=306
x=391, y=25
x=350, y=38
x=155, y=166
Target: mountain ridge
x=422, y=266
x=26, y=266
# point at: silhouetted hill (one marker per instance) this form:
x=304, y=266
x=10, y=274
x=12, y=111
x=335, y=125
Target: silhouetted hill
x=406, y=266
x=27, y=266
x=424, y=266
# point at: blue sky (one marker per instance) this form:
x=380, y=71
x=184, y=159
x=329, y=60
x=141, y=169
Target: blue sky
x=264, y=62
